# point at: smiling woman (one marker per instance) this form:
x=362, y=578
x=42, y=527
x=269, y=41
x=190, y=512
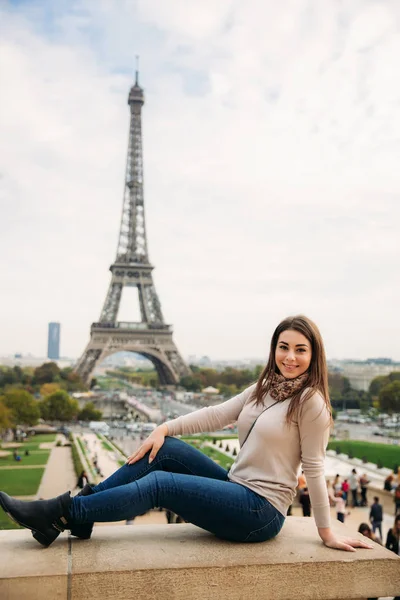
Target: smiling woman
x=283, y=423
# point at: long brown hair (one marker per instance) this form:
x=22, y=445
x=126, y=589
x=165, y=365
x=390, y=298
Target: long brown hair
x=317, y=380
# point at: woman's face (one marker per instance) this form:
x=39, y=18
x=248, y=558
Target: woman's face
x=292, y=354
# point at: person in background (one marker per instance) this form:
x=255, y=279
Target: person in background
x=365, y=529
x=397, y=499
x=353, y=482
x=337, y=486
x=340, y=506
x=305, y=502
x=388, y=484
x=301, y=482
x=364, y=481
x=376, y=516
x=345, y=490
x=392, y=540
x=83, y=479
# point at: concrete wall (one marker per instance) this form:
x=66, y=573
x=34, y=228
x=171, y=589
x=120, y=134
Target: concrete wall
x=183, y=562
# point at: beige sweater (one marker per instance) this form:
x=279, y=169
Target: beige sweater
x=269, y=461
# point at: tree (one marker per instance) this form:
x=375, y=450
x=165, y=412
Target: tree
x=5, y=417
x=90, y=413
x=72, y=381
x=192, y=384
x=46, y=373
x=377, y=384
x=59, y=406
x=389, y=398
x=49, y=388
x=23, y=406
x=381, y=381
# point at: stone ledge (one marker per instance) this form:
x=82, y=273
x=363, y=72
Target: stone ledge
x=183, y=562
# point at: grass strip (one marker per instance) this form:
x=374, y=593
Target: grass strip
x=218, y=457
x=383, y=455
x=107, y=446
x=85, y=454
x=76, y=459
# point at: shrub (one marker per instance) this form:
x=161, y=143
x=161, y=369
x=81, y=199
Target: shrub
x=221, y=445
x=227, y=448
x=364, y=459
x=214, y=441
x=234, y=453
x=59, y=443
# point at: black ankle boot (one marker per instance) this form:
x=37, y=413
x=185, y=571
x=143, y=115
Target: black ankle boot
x=83, y=531
x=46, y=518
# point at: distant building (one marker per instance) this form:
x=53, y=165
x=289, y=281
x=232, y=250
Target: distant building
x=53, y=344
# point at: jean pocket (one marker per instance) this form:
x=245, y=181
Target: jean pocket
x=261, y=504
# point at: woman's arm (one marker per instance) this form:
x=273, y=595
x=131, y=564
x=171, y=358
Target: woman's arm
x=314, y=422
x=211, y=417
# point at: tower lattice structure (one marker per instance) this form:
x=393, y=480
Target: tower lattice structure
x=151, y=337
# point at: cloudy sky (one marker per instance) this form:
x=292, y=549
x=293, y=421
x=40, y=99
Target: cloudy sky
x=272, y=180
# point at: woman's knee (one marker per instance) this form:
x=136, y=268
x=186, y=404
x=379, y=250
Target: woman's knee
x=172, y=445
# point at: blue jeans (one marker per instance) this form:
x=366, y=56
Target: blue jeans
x=184, y=480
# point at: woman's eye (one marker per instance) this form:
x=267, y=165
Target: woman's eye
x=302, y=349
x=282, y=347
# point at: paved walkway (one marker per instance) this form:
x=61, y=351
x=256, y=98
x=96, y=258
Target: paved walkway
x=107, y=461
x=59, y=475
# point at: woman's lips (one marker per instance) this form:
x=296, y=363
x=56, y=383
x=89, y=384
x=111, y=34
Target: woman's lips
x=290, y=367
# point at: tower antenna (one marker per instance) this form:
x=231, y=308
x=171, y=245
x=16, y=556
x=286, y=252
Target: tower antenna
x=137, y=70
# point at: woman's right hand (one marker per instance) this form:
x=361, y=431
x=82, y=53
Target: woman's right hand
x=153, y=443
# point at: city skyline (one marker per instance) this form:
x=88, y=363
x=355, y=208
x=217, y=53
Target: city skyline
x=270, y=169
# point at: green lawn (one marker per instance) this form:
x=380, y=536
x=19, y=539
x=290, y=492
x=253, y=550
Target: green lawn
x=379, y=454
x=33, y=442
x=36, y=457
x=20, y=482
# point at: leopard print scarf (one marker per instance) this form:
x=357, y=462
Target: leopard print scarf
x=281, y=388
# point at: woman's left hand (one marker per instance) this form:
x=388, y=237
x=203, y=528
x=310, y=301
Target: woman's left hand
x=346, y=543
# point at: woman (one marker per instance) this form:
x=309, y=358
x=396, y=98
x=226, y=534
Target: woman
x=337, y=486
x=366, y=531
x=82, y=480
x=283, y=421
x=393, y=537
x=388, y=484
x=393, y=540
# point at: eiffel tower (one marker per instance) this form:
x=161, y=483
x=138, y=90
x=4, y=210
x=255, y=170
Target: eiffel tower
x=151, y=337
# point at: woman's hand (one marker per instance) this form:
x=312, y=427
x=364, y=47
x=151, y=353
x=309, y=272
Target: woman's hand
x=345, y=543
x=153, y=443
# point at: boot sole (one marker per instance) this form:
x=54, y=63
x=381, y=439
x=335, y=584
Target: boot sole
x=38, y=535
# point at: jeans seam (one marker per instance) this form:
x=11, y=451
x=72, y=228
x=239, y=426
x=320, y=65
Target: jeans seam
x=157, y=461
x=261, y=528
